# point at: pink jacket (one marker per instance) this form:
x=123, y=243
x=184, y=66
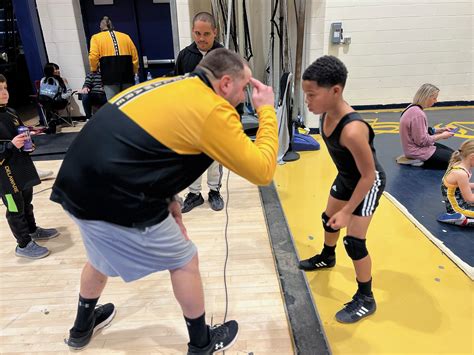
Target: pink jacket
x=416, y=142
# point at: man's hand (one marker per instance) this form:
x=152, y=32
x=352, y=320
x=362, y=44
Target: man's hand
x=85, y=90
x=175, y=209
x=262, y=94
x=19, y=140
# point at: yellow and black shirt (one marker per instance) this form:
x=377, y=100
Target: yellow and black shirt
x=151, y=142
x=17, y=172
x=453, y=199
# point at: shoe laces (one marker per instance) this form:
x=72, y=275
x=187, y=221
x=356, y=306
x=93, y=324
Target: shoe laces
x=354, y=304
x=218, y=330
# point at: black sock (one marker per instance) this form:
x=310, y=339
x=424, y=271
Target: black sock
x=198, y=331
x=365, y=287
x=328, y=251
x=85, y=314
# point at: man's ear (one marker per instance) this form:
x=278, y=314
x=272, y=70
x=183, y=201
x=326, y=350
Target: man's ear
x=225, y=84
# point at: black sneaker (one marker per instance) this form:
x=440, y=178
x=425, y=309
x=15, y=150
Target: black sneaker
x=317, y=262
x=223, y=336
x=215, y=200
x=103, y=315
x=360, y=307
x=44, y=233
x=191, y=201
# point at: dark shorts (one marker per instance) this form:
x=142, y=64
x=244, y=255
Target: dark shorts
x=342, y=189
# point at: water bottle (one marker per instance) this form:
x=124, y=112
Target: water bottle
x=148, y=76
x=137, y=79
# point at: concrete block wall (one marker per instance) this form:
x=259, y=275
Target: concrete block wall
x=396, y=44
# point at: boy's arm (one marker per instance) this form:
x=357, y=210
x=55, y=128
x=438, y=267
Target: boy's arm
x=355, y=137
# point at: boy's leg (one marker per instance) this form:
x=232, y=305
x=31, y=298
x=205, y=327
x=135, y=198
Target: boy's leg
x=16, y=217
x=327, y=257
x=363, y=302
x=214, y=182
x=29, y=215
x=90, y=318
x=194, y=197
x=187, y=287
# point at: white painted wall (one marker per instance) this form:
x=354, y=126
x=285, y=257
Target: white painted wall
x=63, y=33
x=396, y=44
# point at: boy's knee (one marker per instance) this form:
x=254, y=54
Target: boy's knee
x=355, y=247
x=325, y=219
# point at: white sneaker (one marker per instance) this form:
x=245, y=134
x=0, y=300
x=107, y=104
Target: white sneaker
x=44, y=174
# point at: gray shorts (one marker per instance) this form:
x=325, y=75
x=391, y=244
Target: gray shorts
x=133, y=253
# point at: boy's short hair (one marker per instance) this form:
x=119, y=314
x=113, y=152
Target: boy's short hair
x=3, y=79
x=326, y=71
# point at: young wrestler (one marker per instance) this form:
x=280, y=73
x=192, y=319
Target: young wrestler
x=456, y=188
x=360, y=181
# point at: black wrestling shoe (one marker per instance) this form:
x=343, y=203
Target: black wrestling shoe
x=317, y=262
x=103, y=315
x=223, y=336
x=360, y=307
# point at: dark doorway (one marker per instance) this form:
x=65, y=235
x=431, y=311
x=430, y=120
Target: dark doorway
x=151, y=24
x=12, y=58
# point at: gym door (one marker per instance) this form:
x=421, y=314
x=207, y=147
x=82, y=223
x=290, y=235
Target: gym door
x=151, y=24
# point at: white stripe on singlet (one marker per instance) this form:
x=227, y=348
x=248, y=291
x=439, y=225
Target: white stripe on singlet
x=371, y=197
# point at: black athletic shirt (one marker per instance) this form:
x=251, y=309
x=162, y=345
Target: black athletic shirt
x=341, y=156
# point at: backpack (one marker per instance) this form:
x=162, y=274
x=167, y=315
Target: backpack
x=49, y=87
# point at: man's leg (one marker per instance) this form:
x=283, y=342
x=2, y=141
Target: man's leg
x=194, y=197
x=89, y=318
x=187, y=288
x=214, y=181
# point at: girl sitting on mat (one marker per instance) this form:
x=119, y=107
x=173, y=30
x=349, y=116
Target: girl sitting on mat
x=456, y=188
x=418, y=140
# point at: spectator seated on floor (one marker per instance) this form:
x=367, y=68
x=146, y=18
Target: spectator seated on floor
x=457, y=189
x=92, y=94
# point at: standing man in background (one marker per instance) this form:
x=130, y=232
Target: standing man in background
x=117, y=57
x=204, y=33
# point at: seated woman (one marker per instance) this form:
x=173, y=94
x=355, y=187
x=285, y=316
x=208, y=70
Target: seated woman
x=456, y=188
x=418, y=140
x=55, y=90
x=92, y=93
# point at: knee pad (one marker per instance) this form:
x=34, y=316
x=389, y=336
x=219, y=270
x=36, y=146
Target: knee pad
x=325, y=219
x=355, y=247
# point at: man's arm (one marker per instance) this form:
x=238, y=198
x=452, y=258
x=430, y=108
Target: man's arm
x=224, y=140
x=94, y=55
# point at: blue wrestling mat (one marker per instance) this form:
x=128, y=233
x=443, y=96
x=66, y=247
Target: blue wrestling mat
x=418, y=190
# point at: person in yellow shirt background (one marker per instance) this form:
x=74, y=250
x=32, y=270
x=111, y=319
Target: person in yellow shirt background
x=115, y=54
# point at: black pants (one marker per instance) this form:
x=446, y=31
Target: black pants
x=440, y=158
x=21, y=223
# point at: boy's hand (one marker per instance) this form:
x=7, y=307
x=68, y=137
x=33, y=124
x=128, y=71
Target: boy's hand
x=262, y=94
x=339, y=220
x=19, y=140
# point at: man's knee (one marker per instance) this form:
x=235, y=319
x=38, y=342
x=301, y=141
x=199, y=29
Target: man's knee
x=355, y=247
x=325, y=220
